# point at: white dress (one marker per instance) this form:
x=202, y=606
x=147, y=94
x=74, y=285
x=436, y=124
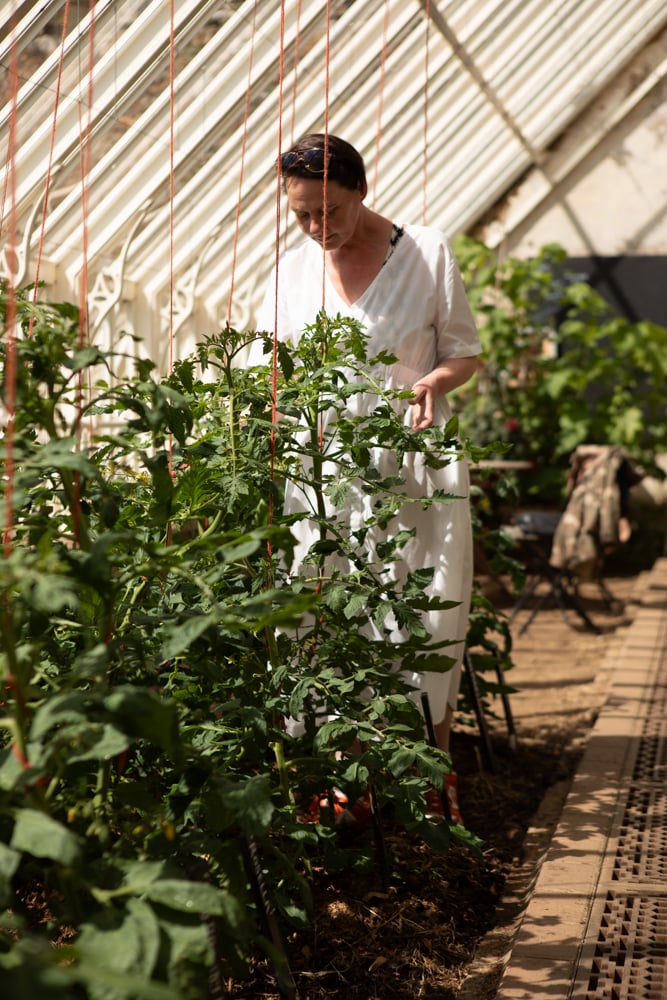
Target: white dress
x=415, y=309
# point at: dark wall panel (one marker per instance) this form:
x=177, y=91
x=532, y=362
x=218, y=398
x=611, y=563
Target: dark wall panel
x=636, y=286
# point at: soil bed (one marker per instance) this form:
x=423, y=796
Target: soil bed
x=417, y=934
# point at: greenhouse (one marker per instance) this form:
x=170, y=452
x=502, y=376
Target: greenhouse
x=167, y=128
x=332, y=637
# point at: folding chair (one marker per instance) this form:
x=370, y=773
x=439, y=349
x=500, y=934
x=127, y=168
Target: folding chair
x=534, y=531
x=564, y=547
x=595, y=520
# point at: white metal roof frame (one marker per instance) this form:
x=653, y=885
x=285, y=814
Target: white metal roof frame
x=455, y=108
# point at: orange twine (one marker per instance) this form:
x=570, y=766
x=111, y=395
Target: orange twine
x=10, y=342
x=246, y=115
x=274, y=357
x=49, y=169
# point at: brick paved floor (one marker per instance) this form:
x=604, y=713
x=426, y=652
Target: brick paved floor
x=565, y=914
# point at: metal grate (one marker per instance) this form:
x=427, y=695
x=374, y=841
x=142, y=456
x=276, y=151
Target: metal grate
x=651, y=763
x=652, y=757
x=630, y=961
x=642, y=847
x=630, y=954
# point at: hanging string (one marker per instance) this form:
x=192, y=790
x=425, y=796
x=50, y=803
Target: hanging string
x=325, y=198
x=10, y=320
x=327, y=61
x=378, y=130
x=426, y=110
x=170, y=362
x=85, y=161
x=274, y=357
x=172, y=53
x=12, y=680
x=246, y=115
x=10, y=165
x=49, y=167
x=5, y=189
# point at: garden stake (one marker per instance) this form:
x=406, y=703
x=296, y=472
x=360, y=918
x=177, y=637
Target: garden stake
x=509, y=718
x=281, y=969
x=199, y=872
x=378, y=833
x=479, y=713
x=428, y=718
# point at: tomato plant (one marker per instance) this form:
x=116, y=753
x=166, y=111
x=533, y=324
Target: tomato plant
x=154, y=640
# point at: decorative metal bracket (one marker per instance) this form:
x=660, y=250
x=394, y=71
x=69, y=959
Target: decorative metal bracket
x=174, y=314
x=15, y=257
x=107, y=289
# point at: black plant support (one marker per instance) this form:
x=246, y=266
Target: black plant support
x=270, y=928
x=487, y=749
x=430, y=729
x=199, y=872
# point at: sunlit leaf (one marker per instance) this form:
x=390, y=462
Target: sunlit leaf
x=39, y=834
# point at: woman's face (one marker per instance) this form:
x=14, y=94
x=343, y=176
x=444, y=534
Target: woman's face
x=305, y=197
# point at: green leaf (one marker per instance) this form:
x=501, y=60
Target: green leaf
x=9, y=862
x=92, y=661
x=136, y=877
x=69, y=706
x=338, y=493
x=355, y=605
x=39, y=834
x=336, y=596
x=557, y=383
x=437, y=835
x=196, y=898
x=188, y=944
x=51, y=592
x=96, y=742
x=129, y=945
x=285, y=360
x=11, y=770
x=418, y=580
x=110, y=984
x=144, y=715
x=401, y=761
x=324, y=546
x=629, y=424
x=437, y=663
x=85, y=357
x=252, y=803
x=181, y=635
x=240, y=548
x=61, y=454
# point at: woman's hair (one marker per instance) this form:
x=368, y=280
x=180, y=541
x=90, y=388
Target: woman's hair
x=306, y=158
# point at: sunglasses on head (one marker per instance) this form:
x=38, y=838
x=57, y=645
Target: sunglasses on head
x=313, y=160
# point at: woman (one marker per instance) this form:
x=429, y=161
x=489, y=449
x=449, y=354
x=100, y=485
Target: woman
x=402, y=283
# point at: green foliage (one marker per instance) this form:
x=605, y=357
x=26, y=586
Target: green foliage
x=560, y=368
x=153, y=641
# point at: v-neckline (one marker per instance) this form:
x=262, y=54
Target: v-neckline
x=397, y=233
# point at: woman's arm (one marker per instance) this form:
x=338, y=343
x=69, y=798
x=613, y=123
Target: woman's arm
x=444, y=378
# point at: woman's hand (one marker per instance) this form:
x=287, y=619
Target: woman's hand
x=446, y=376
x=422, y=406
